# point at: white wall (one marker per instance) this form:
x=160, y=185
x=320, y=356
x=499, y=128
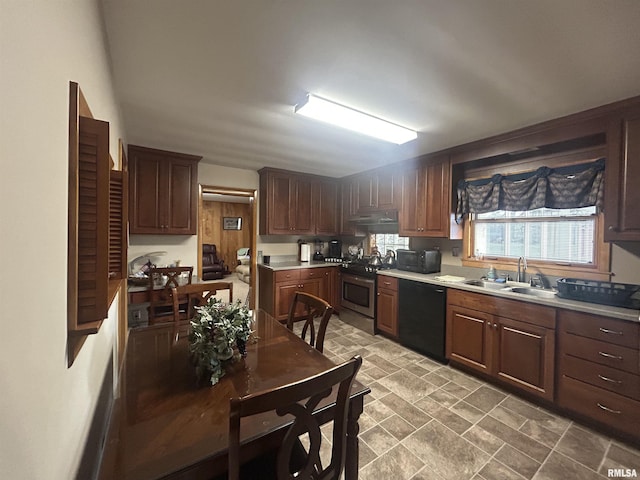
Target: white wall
x=46, y=407
x=185, y=247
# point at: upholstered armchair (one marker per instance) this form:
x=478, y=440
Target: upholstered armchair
x=212, y=267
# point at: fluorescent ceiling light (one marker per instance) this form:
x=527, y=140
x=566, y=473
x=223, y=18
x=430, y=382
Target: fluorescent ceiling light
x=345, y=117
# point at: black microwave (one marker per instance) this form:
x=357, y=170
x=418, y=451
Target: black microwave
x=419, y=261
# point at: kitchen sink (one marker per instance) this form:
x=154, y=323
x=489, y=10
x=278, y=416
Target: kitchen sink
x=486, y=284
x=536, y=292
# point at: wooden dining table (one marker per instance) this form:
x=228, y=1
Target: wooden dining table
x=167, y=425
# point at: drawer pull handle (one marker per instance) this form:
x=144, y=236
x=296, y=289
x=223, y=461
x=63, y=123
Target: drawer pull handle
x=613, y=332
x=608, y=355
x=607, y=409
x=611, y=380
x=387, y=283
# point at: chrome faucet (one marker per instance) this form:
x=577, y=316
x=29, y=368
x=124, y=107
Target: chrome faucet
x=538, y=281
x=520, y=274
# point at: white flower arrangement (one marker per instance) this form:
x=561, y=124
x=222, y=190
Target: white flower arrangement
x=219, y=335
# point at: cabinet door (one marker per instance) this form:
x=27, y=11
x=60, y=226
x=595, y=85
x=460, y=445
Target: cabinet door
x=181, y=212
x=436, y=200
x=326, y=204
x=301, y=206
x=321, y=276
x=470, y=338
x=525, y=356
x=410, y=217
x=349, y=206
x=367, y=195
x=387, y=311
x=622, y=195
x=144, y=190
x=284, y=296
x=389, y=186
x=278, y=192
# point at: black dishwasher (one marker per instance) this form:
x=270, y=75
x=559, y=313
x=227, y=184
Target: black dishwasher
x=422, y=317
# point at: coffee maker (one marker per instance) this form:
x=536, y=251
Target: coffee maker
x=335, y=248
x=318, y=245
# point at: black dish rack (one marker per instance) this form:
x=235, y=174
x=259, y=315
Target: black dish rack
x=605, y=293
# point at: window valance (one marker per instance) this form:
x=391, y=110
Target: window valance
x=572, y=186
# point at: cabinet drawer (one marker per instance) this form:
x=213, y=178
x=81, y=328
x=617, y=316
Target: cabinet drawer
x=311, y=273
x=601, y=405
x=518, y=310
x=611, y=379
x=604, y=353
x=284, y=275
x=389, y=283
x=605, y=329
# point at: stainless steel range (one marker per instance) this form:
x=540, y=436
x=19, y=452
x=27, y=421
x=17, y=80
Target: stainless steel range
x=358, y=294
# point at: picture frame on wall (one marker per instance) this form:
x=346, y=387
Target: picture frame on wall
x=232, y=223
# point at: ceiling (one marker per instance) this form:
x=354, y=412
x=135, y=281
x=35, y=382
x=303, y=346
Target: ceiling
x=220, y=78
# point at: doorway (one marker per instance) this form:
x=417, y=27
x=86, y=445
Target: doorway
x=227, y=217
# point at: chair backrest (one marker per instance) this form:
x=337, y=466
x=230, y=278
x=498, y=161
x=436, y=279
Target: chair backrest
x=187, y=297
x=210, y=253
x=307, y=308
x=300, y=399
x=160, y=299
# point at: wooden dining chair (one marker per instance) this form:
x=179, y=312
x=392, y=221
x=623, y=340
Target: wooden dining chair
x=307, y=308
x=298, y=399
x=160, y=299
x=187, y=297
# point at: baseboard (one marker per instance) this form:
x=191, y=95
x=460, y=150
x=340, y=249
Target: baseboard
x=94, y=446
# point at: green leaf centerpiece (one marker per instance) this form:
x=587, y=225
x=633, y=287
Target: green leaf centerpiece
x=219, y=335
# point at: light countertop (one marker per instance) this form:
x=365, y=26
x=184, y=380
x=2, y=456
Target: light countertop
x=558, y=302
x=290, y=265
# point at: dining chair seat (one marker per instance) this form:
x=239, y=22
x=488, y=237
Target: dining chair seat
x=293, y=458
x=308, y=308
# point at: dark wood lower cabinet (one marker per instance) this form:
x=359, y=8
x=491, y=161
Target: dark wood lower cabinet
x=525, y=355
x=599, y=370
x=276, y=288
x=519, y=352
x=470, y=338
x=387, y=305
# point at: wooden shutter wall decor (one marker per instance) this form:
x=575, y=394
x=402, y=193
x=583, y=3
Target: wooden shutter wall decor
x=91, y=239
x=118, y=188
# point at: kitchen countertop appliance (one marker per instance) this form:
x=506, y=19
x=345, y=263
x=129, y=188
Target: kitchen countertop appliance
x=419, y=261
x=318, y=245
x=335, y=248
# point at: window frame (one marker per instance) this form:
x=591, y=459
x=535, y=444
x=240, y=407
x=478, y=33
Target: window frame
x=599, y=270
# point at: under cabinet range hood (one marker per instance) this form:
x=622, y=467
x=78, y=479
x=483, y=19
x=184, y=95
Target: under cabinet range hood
x=388, y=217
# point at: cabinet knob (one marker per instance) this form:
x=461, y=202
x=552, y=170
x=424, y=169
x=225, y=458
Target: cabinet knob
x=612, y=228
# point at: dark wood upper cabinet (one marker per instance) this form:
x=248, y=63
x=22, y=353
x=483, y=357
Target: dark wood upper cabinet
x=327, y=215
x=378, y=190
x=622, y=195
x=297, y=204
x=163, y=192
x=426, y=192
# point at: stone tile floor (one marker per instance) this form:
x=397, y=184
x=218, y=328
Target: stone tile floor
x=427, y=421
